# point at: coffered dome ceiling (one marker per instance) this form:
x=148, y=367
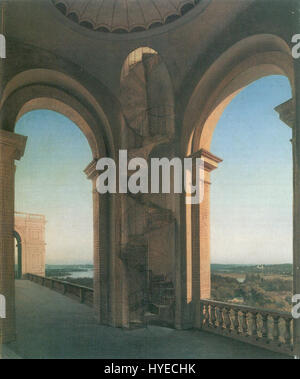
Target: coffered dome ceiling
x=124, y=16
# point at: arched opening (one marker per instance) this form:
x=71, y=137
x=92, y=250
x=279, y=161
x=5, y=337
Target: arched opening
x=251, y=199
x=238, y=67
x=62, y=94
x=18, y=255
x=50, y=181
x=147, y=95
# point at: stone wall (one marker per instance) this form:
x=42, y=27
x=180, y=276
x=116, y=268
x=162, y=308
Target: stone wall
x=31, y=229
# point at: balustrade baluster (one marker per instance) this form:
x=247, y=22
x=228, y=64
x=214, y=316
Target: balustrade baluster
x=288, y=334
x=236, y=321
x=276, y=332
x=265, y=327
x=227, y=319
x=206, y=315
x=223, y=326
x=254, y=324
x=209, y=315
x=213, y=315
x=244, y=323
x=220, y=318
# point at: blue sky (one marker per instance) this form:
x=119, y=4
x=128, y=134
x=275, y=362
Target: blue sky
x=251, y=192
x=251, y=198
x=50, y=181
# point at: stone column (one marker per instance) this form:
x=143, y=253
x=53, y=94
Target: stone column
x=296, y=160
x=101, y=248
x=109, y=275
x=287, y=113
x=12, y=147
x=296, y=210
x=200, y=261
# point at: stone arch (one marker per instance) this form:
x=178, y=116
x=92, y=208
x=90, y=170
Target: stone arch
x=47, y=89
x=31, y=89
x=146, y=93
x=245, y=62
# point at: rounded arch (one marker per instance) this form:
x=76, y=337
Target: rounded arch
x=247, y=61
x=134, y=57
x=95, y=111
x=52, y=90
x=147, y=94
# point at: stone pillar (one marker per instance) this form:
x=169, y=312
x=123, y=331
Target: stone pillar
x=12, y=147
x=287, y=113
x=296, y=210
x=101, y=248
x=200, y=257
x=296, y=160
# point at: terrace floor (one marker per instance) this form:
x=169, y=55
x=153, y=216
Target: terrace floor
x=50, y=325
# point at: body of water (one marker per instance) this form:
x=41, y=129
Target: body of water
x=80, y=274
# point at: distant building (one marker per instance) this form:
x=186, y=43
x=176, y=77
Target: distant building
x=30, y=235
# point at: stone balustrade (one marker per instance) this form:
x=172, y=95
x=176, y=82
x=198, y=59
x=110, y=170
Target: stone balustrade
x=265, y=328
x=31, y=216
x=82, y=294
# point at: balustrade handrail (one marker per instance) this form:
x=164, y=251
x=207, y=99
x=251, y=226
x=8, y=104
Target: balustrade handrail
x=81, y=293
x=62, y=282
x=247, y=308
x=258, y=326
x=30, y=215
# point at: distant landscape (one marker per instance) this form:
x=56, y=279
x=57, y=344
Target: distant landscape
x=78, y=274
x=261, y=286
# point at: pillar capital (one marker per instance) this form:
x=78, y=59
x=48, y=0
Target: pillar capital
x=12, y=146
x=287, y=112
x=211, y=161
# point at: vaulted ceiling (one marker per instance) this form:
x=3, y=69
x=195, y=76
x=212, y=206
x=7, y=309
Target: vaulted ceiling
x=124, y=16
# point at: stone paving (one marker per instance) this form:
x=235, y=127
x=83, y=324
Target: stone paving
x=50, y=325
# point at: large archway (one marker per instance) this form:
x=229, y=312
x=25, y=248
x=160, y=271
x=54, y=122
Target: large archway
x=50, y=181
x=34, y=90
x=251, y=200
x=244, y=63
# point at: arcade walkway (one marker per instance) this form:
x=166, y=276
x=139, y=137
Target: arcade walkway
x=51, y=325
